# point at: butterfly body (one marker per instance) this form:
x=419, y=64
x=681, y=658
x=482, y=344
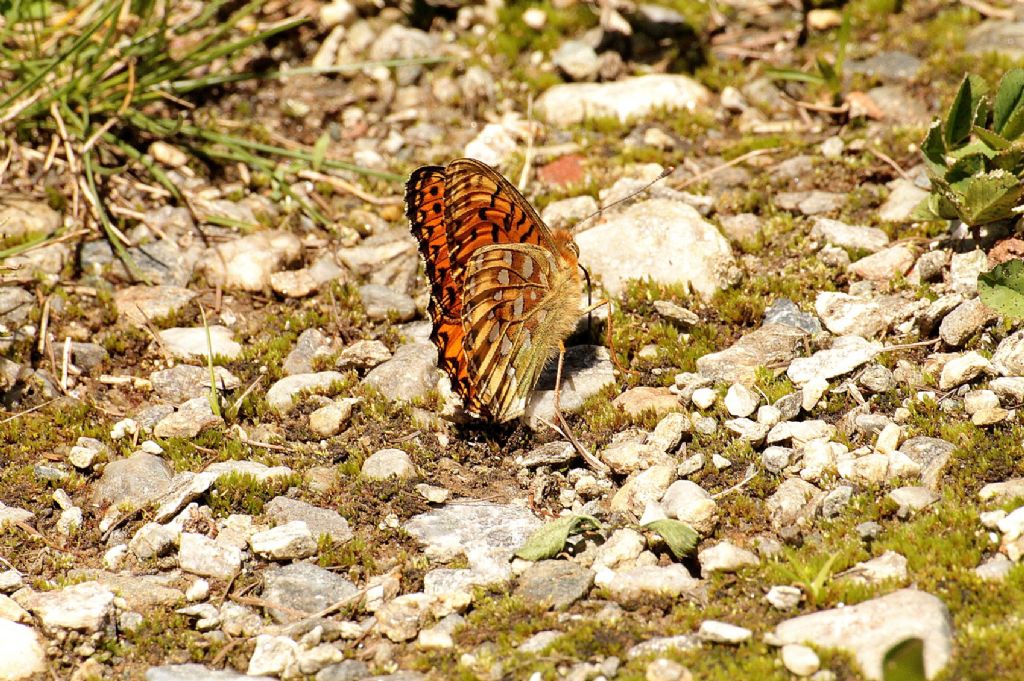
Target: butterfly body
x=505, y=288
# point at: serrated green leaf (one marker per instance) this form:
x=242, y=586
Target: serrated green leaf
x=680, y=537
x=934, y=148
x=960, y=115
x=1009, y=159
x=982, y=111
x=1009, y=98
x=990, y=138
x=1002, y=288
x=987, y=197
x=965, y=167
x=928, y=209
x=975, y=148
x=550, y=539
x=1014, y=125
x=904, y=661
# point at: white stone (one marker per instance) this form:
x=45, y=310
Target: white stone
x=191, y=343
x=690, y=503
x=281, y=395
x=979, y=400
x=704, y=398
x=624, y=546
x=846, y=354
x=963, y=369
x=740, y=400
x=387, y=463
x=571, y=103
x=799, y=659
x=87, y=606
x=202, y=556
x=21, y=652
x=1012, y=525
x=723, y=632
x=889, y=439
x=275, y=656
x=784, y=597
x=725, y=557
x=290, y=541
x=812, y=392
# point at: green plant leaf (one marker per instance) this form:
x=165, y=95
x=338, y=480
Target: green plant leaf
x=930, y=208
x=987, y=197
x=680, y=537
x=1014, y=126
x=904, y=661
x=960, y=115
x=990, y=138
x=1002, y=288
x=794, y=75
x=965, y=167
x=550, y=539
x=934, y=148
x=1009, y=98
x=828, y=73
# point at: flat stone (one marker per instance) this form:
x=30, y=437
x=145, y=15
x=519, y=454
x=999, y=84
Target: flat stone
x=966, y=319
x=912, y=499
x=714, y=631
x=479, y=530
x=888, y=566
x=853, y=237
x=1000, y=492
x=811, y=202
x=725, y=557
x=387, y=463
x=964, y=269
x=304, y=587
x=382, y=303
x=191, y=343
x=932, y=454
x=311, y=343
x=637, y=401
x=689, y=502
x=184, y=382
x=281, y=396
x=884, y=265
x=963, y=369
x=799, y=659
x=1008, y=359
x=567, y=104
x=792, y=501
x=331, y=419
x=785, y=311
x=677, y=247
x=869, y=629
x=321, y=521
x=868, y=316
x=137, y=480
x=363, y=354
x=197, y=672
x=642, y=584
x=86, y=607
x=142, y=305
x=202, y=556
x=554, y=584
x=663, y=645
x=410, y=374
x=846, y=354
x=190, y=419
x=904, y=197
x=290, y=541
x=770, y=345
x=800, y=432
x=247, y=263
x=1005, y=37
x=13, y=514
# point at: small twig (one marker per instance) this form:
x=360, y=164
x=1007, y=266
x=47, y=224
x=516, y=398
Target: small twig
x=888, y=160
x=103, y=129
x=350, y=188
x=64, y=364
x=719, y=168
x=30, y=410
x=987, y=10
x=908, y=346
x=44, y=326
x=237, y=403
x=735, y=487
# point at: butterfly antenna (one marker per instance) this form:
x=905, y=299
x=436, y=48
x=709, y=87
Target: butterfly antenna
x=664, y=173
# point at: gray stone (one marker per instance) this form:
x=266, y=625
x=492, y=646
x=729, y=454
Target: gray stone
x=15, y=305
x=836, y=500
x=785, y=311
x=890, y=566
x=899, y=105
x=664, y=644
x=304, y=587
x=564, y=105
x=281, y=396
x=994, y=569
x=410, y=374
x=714, y=631
x=677, y=246
x=587, y=370
x=382, y=303
x=930, y=265
x=792, y=501
x=576, y=59
x=554, y=584
x=810, y=203
x=1005, y=37
x=197, y=672
x=885, y=265
x=775, y=459
x=912, y=499
x=247, y=263
x=853, y=237
x=868, y=316
x=291, y=541
x=363, y=354
x=643, y=584
x=967, y=319
x=387, y=463
x=321, y=521
x=401, y=42
x=725, y=557
x=184, y=382
x=88, y=356
x=876, y=379
x=331, y=419
x=846, y=354
x=964, y=269
x=1000, y=492
x=891, y=65
x=557, y=453
x=800, y=432
x=643, y=488
x=904, y=197
x=87, y=607
x=743, y=228
x=869, y=629
x=1008, y=359
x=190, y=419
x=677, y=314
x=136, y=481
x=770, y=345
x=346, y=670
x=202, y=556
x=478, y=530
x=311, y=344
x=191, y=343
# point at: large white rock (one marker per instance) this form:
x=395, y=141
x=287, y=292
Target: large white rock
x=21, y=654
x=625, y=99
x=666, y=241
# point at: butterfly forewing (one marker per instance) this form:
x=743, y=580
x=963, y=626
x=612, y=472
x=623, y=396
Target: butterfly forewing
x=504, y=288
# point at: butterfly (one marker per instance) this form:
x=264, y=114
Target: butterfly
x=505, y=287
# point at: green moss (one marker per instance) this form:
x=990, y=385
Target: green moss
x=516, y=39
x=244, y=493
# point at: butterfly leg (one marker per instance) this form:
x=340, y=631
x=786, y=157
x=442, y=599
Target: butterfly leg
x=591, y=460
x=608, y=331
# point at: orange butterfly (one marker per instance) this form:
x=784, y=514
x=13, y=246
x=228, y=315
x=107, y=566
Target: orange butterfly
x=505, y=288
